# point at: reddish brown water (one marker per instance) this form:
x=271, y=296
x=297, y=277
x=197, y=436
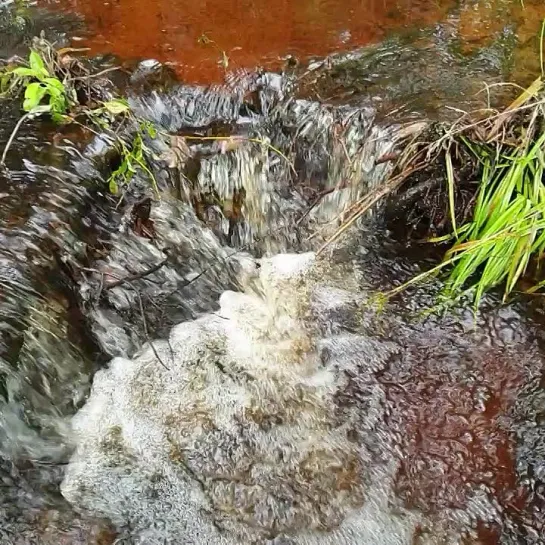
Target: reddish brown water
x=451, y=441
x=251, y=33
x=450, y=406
x=241, y=33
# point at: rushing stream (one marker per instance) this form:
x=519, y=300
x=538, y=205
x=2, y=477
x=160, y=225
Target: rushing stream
x=188, y=370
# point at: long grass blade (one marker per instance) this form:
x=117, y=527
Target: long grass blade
x=451, y=188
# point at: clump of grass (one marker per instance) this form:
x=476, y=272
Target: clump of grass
x=507, y=229
x=502, y=239
x=505, y=234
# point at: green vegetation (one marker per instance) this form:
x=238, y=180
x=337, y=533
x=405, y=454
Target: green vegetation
x=49, y=85
x=485, y=174
x=499, y=240
x=49, y=82
x=133, y=159
x=508, y=225
x=504, y=239
x=43, y=91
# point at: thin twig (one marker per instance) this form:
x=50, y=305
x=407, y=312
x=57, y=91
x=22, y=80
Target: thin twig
x=144, y=322
x=406, y=157
x=245, y=139
x=100, y=287
x=97, y=75
x=86, y=127
x=319, y=198
x=369, y=200
x=488, y=119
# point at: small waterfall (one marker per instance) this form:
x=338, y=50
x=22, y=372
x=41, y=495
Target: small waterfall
x=280, y=407
x=297, y=414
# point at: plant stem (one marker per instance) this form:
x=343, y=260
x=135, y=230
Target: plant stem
x=12, y=137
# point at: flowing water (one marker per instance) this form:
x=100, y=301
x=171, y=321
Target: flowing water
x=284, y=407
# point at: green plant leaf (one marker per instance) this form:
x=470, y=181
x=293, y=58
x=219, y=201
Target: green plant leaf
x=37, y=65
x=60, y=118
x=451, y=188
x=112, y=186
x=58, y=103
x=34, y=93
x=55, y=83
x=116, y=106
x=151, y=130
x=24, y=72
x=7, y=83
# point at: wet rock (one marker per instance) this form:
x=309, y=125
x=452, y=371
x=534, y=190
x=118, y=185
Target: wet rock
x=46, y=357
x=19, y=24
x=270, y=417
x=33, y=513
x=44, y=374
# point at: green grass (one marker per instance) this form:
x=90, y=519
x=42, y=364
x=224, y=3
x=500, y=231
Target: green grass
x=507, y=230
x=503, y=241
x=505, y=235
